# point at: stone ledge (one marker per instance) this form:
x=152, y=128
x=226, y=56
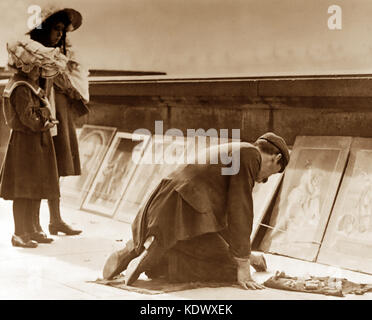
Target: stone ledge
x=322, y=86
x=294, y=86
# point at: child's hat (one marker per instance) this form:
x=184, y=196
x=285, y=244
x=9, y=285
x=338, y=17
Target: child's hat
x=75, y=18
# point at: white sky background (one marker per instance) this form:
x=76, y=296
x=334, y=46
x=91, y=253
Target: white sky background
x=214, y=37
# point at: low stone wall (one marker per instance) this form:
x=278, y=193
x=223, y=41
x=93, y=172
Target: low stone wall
x=289, y=106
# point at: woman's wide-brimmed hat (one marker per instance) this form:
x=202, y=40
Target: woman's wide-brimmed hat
x=73, y=16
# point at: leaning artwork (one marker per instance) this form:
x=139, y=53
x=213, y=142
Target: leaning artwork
x=348, y=238
x=262, y=195
x=163, y=155
x=94, y=142
x=115, y=173
x=305, y=200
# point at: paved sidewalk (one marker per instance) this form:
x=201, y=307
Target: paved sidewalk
x=61, y=270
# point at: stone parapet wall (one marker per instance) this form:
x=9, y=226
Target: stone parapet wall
x=289, y=106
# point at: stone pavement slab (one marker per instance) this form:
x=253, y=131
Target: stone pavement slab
x=62, y=270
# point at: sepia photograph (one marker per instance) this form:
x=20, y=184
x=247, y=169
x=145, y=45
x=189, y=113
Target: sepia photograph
x=187, y=157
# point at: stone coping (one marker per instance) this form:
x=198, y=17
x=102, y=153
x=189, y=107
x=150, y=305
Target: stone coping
x=275, y=86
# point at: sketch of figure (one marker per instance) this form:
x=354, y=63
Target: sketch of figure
x=365, y=205
x=302, y=205
x=359, y=221
x=148, y=176
x=91, y=146
x=90, y=149
x=112, y=175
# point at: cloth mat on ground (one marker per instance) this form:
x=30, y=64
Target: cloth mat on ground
x=321, y=285
x=158, y=286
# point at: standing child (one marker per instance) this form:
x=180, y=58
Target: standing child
x=29, y=171
x=69, y=92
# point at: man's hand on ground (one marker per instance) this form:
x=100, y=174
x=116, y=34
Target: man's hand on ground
x=244, y=275
x=252, y=285
x=247, y=282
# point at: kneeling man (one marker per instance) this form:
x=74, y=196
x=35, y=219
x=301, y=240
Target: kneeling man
x=196, y=225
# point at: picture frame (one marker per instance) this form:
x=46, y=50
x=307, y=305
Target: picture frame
x=348, y=239
x=114, y=175
x=163, y=155
x=305, y=199
x=262, y=195
x=93, y=141
x=178, y=150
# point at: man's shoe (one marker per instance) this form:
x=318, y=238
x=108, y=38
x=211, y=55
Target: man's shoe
x=145, y=261
x=23, y=241
x=118, y=261
x=40, y=237
x=136, y=267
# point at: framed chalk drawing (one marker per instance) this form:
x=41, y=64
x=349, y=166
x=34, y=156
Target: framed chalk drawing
x=115, y=173
x=94, y=142
x=348, y=239
x=163, y=155
x=305, y=200
x=262, y=195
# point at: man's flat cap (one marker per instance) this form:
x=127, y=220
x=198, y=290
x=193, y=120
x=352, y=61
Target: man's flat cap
x=279, y=143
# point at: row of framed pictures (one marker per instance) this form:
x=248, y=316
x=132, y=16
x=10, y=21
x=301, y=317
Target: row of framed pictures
x=108, y=184
x=323, y=211
x=114, y=185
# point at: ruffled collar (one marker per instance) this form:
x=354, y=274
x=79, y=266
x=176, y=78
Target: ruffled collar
x=25, y=54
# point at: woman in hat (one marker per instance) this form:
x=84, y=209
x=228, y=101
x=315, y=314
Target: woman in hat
x=29, y=171
x=69, y=92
